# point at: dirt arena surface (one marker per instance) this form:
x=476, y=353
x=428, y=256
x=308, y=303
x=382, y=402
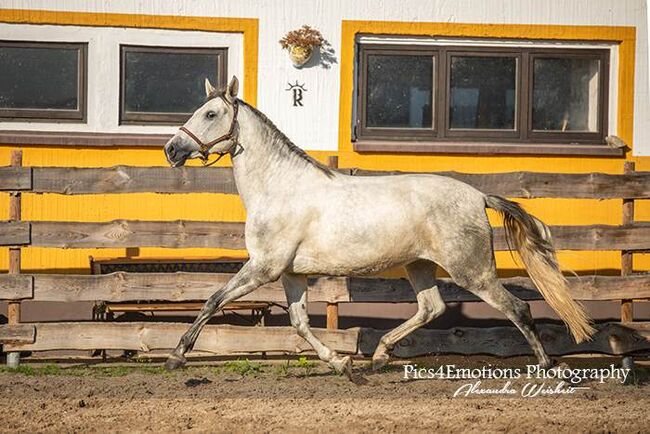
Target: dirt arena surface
x=263, y=396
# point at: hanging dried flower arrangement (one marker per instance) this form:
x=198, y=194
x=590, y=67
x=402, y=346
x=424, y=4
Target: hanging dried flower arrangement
x=301, y=44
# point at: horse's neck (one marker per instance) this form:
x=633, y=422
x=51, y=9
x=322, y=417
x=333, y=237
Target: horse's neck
x=260, y=167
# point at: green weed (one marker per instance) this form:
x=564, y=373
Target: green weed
x=243, y=367
x=306, y=365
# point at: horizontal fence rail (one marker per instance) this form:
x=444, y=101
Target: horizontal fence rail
x=127, y=179
x=163, y=336
x=230, y=235
x=121, y=287
x=612, y=338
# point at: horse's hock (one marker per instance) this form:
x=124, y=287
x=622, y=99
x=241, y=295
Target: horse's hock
x=619, y=338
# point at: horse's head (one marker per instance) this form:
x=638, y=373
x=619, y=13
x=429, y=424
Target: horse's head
x=212, y=129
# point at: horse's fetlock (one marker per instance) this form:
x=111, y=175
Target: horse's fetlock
x=384, y=344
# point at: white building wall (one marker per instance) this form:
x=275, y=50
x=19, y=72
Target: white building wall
x=315, y=126
x=104, y=68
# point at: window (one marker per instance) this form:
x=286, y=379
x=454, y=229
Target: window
x=506, y=94
x=42, y=81
x=165, y=85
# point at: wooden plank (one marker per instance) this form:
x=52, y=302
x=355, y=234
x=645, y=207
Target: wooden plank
x=591, y=288
x=215, y=339
x=595, y=237
x=332, y=316
x=15, y=233
x=15, y=214
x=535, y=184
x=123, y=287
x=18, y=334
x=176, y=234
x=627, y=306
x=85, y=139
x=16, y=286
x=15, y=178
x=127, y=179
x=612, y=338
x=230, y=235
x=174, y=307
x=134, y=233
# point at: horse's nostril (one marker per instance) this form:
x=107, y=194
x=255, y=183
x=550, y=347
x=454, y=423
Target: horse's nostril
x=171, y=151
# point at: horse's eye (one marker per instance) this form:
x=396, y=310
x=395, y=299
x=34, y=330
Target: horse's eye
x=211, y=115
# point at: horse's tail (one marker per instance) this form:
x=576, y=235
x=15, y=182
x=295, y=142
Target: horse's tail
x=532, y=239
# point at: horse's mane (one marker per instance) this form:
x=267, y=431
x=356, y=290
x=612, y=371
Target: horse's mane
x=279, y=136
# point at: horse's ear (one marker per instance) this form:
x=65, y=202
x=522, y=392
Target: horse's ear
x=233, y=88
x=209, y=89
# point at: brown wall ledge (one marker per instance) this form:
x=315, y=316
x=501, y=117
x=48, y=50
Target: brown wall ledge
x=488, y=148
x=57, y=138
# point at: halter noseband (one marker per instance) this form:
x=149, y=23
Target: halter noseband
x=205, y=147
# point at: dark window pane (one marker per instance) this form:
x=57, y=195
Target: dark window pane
x=167, y=82
x=399, y=91
x=39, y=78
x=483, y=92
x=565, y=94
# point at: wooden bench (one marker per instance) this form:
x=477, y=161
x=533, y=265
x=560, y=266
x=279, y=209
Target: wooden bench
x=259, y=310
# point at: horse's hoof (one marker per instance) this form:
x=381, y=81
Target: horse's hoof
x=342, y=365
x=379, y=361
x=174, y=362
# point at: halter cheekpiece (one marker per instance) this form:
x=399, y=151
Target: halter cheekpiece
x=230, y=135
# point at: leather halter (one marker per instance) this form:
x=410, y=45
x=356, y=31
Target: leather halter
x=230, y=135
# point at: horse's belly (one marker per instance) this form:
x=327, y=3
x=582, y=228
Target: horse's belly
x=356, y=259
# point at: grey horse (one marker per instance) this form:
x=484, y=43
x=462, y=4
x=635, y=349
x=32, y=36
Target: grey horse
x=305, y=219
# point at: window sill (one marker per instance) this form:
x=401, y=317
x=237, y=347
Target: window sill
x=487, y=148
x=57, y=138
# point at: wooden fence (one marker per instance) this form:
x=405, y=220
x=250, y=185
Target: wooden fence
x=613, y=338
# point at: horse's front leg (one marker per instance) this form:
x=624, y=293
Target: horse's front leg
x=295, y=288
x=250, y=277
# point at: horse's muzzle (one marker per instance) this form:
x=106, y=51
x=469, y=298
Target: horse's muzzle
x=175, y=154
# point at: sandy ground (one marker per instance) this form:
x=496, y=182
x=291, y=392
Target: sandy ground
x=267, y=397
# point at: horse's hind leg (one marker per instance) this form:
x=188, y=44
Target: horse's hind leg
x=295, y=288
x=485, y=284
x=421, y=274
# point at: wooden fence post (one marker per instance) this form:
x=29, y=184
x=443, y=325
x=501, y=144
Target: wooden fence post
x=333, y=308
x=13, y=307
x=627, y=306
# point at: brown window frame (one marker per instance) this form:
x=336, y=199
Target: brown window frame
x=404, y=133
x=145, y=118
x=603, y=98
x=442, y=138
x=53, y=115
